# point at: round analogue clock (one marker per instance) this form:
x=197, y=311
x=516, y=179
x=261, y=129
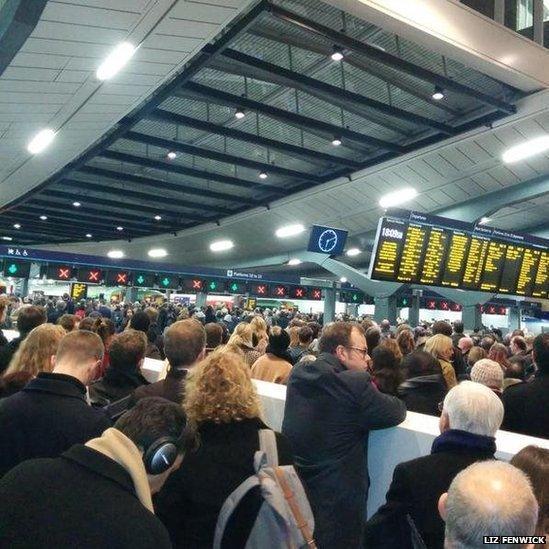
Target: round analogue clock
x=327, y=240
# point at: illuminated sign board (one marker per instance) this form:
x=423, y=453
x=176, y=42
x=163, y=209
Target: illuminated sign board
x=16, y=269
x=90, y=275
x=79, y=291
x=168, y=281
x=280, y=291
x=216, y=286
x=143, y=279
x=315, y=294
x=192, y=285
x=59, y=272
x=117, y=278
x=236, y=287
x=259, y=290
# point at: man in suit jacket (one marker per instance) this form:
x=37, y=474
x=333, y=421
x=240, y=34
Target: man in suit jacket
x=98, y=494
x=51, y=412
x=526, y=409
x=331, y=405
x=471, y=415
x=185, y=346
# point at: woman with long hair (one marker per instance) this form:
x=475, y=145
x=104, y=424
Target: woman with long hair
x=223, y=406
x=442, y=348
x=261, y=333
x=241, y=340
x=387, y=374
x=276, y=364
x=405, y=341
x=498, y=353
x=33, y=356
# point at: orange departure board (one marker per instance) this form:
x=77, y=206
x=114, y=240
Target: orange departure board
x=412, y=247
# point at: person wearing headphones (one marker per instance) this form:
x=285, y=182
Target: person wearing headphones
x=98, y=494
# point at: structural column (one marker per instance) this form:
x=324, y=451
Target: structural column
x=386, y=308
x=329, y=304
x=413, y=311
x=24, y=287
x=471, y=316
x=131, y=295
x=201, y=298
x=514, y=318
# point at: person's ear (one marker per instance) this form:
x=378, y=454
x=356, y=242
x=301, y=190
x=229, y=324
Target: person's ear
x=444, y=422
x=442, y=506
x=340, y=353
x=52, y=362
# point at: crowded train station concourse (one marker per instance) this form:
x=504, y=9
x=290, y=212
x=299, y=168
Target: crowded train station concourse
x=274, y=274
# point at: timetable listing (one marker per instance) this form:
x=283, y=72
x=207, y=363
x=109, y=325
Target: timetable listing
x=434, y=255
x=493, y=266
x=455, y=259
x=475, y=262
x=411, y=253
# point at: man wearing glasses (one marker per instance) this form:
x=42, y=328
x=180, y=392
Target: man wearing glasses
x=331, y=405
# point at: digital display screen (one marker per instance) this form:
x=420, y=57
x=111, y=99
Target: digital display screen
x=280, y=291
x=143, y=279
x=412, y=247
x=192, y=285
x=169, y=281
x=16, y=269
x=59, y=272
x=259, y=290
x=315, y=294
x=327, y=240
x=79, y=291
x=298, y=292
x=117, y=278
x=236, y=287
x=92, y=276
x=216, y=286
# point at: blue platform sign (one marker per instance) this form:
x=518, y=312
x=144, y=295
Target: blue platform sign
x=327, y=240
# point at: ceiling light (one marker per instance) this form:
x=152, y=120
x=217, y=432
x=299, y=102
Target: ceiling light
x=221, y=245
x=336, y=141
x=438, y=94
x=43, y=217
x=397, y=197
x=76, y=204
x=157, y=252
x=294, y=261
x=115, y=61
x=172, y=155
x=289, y=230
x=88, y=235
x=263, y=175
x=353, y=251
x=157, y=217
x=7, y=238
x=484, y=220
x=115, y=254
x=343, y=280
x=16, y=226
x=40, y=141
x=527, y=149
x=337, y=54
x=119, y=228
x=240, y=114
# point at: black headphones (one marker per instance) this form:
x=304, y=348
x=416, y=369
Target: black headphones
x=160, y=455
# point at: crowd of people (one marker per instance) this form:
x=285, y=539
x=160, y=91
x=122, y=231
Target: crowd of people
x=94, y=455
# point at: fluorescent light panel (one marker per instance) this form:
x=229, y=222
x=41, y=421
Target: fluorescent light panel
x=115, y=61
x=157, y=252
x=294, y=261
x=41, y=141
x=526, y=150
x=289, y=230
x=353, y=251
x=115, y=254
x=397, y=197
x=221, y=245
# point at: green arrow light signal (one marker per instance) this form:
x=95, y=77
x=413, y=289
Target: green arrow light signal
x=140, y=279
x=165, y=281
x=213, y=285
x=234, y=287
x=12, y=269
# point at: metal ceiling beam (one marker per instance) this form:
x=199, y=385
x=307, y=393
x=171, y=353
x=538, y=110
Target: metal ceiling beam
x=218, y=156
x=302, y=153
x=192, y=172
x=159, y=184
x=64, y=232
x=345, y=99
x=291, y=118
x=387, y=59
x=149, y=197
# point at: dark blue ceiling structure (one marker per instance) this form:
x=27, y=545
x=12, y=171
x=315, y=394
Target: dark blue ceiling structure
x=274, y=65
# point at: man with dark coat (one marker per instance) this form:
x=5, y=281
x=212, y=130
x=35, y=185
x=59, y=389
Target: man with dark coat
x=51, y=412
x=471, y=415
x=526, y=409
x=95, y=495
x=331, y=405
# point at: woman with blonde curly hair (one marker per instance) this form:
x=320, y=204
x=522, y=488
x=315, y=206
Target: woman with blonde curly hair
x=260, y=333
x=241, y=340
x=222, y=404
x=33, y=356
x=442, y=348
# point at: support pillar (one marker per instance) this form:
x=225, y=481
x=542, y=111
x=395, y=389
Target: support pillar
x=131, y=295
x=201, y=298
x=329, y=305
x=413, y=311
x=514, y=318
x=168, y=295
x=471, y=317
x=385, y=308
x=24, y=287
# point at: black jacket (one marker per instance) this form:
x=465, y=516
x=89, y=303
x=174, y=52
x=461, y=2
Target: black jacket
x=192, y=497
x=415, y=490
x=329, y=412
x=82, y=499
x=172, y=388
x=423, y=393
x=7, y=352
x=116, y=384
x=45, y=418
x=526, y=408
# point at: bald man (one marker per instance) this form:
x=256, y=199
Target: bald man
x=489, y=498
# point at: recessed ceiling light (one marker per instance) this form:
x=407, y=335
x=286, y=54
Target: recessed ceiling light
x=119, y=228
x=343, y=280
x=527, y=149
x=353, y=251
x=115, y=254
x=76, y=204
x=289, y=230
x=43, y=217
x=115, y=61
x=157, y=217
x=240, y=114
x=484, y=220
x=7, y=238
x=40, y=141
x=336, y=141
x=397, y=197
x=88, y=235
x=438, y=94
x=263, y=175
x=172, y=155
x=221, y=245
x=294, y=261
x=337, y=54
x=157, y=252
x=16, y=226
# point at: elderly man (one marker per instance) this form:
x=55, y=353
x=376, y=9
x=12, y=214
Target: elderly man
x=471, y=415
x=465, y=344
x=331, y=405
x=488, y=499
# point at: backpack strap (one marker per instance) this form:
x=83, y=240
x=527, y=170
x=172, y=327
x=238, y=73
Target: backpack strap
x=267, y=444
x=294, y=508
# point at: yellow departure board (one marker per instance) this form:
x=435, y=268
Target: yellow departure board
x=475, y=262
x=541, y=282
x=527, y=273
x=491, y=273
x=455, y=259
x=431, y=269
x=411, y=253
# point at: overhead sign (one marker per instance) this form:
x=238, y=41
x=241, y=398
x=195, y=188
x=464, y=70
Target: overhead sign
x=16, y=269
x=168, y=281
x=91, y=276
x=79, y=291
x=280, y=291
x=315, y=294
x=192, y=285
x=59, y=272
x=327, y=240
x=216, y=286
x=259, y=290
x=236, y=287
x=143, y=279
x=413, y=247
x=117, y=278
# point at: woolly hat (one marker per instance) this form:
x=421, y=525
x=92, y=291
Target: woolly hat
x=489, y=373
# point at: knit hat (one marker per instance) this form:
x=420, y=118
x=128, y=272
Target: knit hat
x=489, y=373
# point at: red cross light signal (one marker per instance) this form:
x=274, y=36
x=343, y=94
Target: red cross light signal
x=94, y=275
x=261, y=289
x=315, y=293
x=298, y=293
x=121, y=278
x=63, y=273
x=197, y=284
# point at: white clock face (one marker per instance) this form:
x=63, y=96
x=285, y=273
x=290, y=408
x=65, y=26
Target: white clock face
x=327, y=240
